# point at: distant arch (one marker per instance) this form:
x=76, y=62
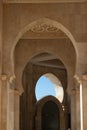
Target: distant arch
x=40, y=105
x=55, y=86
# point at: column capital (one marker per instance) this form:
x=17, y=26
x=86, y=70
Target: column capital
x=80, y=78
x=77, y=79
x=13, y=85
x=11, y=80
x=4, y=77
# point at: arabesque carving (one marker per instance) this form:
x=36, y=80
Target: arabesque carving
x=43, y=27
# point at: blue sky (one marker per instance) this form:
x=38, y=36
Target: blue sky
x=44, y=87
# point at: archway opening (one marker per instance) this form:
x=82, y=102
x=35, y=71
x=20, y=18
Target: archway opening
x=50, y=116
x=48, y=84
x=48, y=67
x=25, y=52
x=44, y=87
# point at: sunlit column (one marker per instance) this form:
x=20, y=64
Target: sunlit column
x=81, y=106
x=0, y=105
x=84, y=100
x=1, y=42
x=78, y=104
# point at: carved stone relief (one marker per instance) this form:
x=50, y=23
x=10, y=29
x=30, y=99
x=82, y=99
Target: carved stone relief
x=43, y=29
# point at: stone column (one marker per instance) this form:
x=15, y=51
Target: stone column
x=1, y=29
x=0, y=104
x=78, y=120
x=73, y=110
x=9, y=104
x=13, y=110
x=12, y=106
x=75, y=106
x=84, y=101
x=4, y=102
x=1, y=22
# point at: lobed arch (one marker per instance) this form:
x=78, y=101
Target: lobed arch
x=46, y=20
x=19, y=83
x=24, y=30
x=55, y=77
x=21, y=69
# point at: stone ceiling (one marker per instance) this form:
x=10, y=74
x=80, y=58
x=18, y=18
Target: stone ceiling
x=47, y=60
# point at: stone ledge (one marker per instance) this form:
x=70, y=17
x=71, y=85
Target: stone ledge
x=43, y=1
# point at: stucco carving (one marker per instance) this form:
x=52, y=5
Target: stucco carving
x=81, y=78
x=43, y=27
x=77, y=79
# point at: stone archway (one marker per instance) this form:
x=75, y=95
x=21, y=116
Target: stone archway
x=19, y=65
x=50, y=116
x=30, y=76
x=48, y=21
x=39, y=110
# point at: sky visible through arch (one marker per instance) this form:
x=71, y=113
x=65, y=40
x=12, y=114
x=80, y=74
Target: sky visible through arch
x=44, y=87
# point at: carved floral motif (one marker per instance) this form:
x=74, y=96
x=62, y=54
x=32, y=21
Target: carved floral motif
x=43, y=27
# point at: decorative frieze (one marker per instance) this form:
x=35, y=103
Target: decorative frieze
x=43, y=27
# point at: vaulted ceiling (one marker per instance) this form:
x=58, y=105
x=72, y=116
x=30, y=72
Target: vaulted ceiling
x=47, y=60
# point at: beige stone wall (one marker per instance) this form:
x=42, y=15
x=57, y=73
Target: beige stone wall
x=1, y=17
x=18, y=16
x=1, y=26
x=17, y=19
